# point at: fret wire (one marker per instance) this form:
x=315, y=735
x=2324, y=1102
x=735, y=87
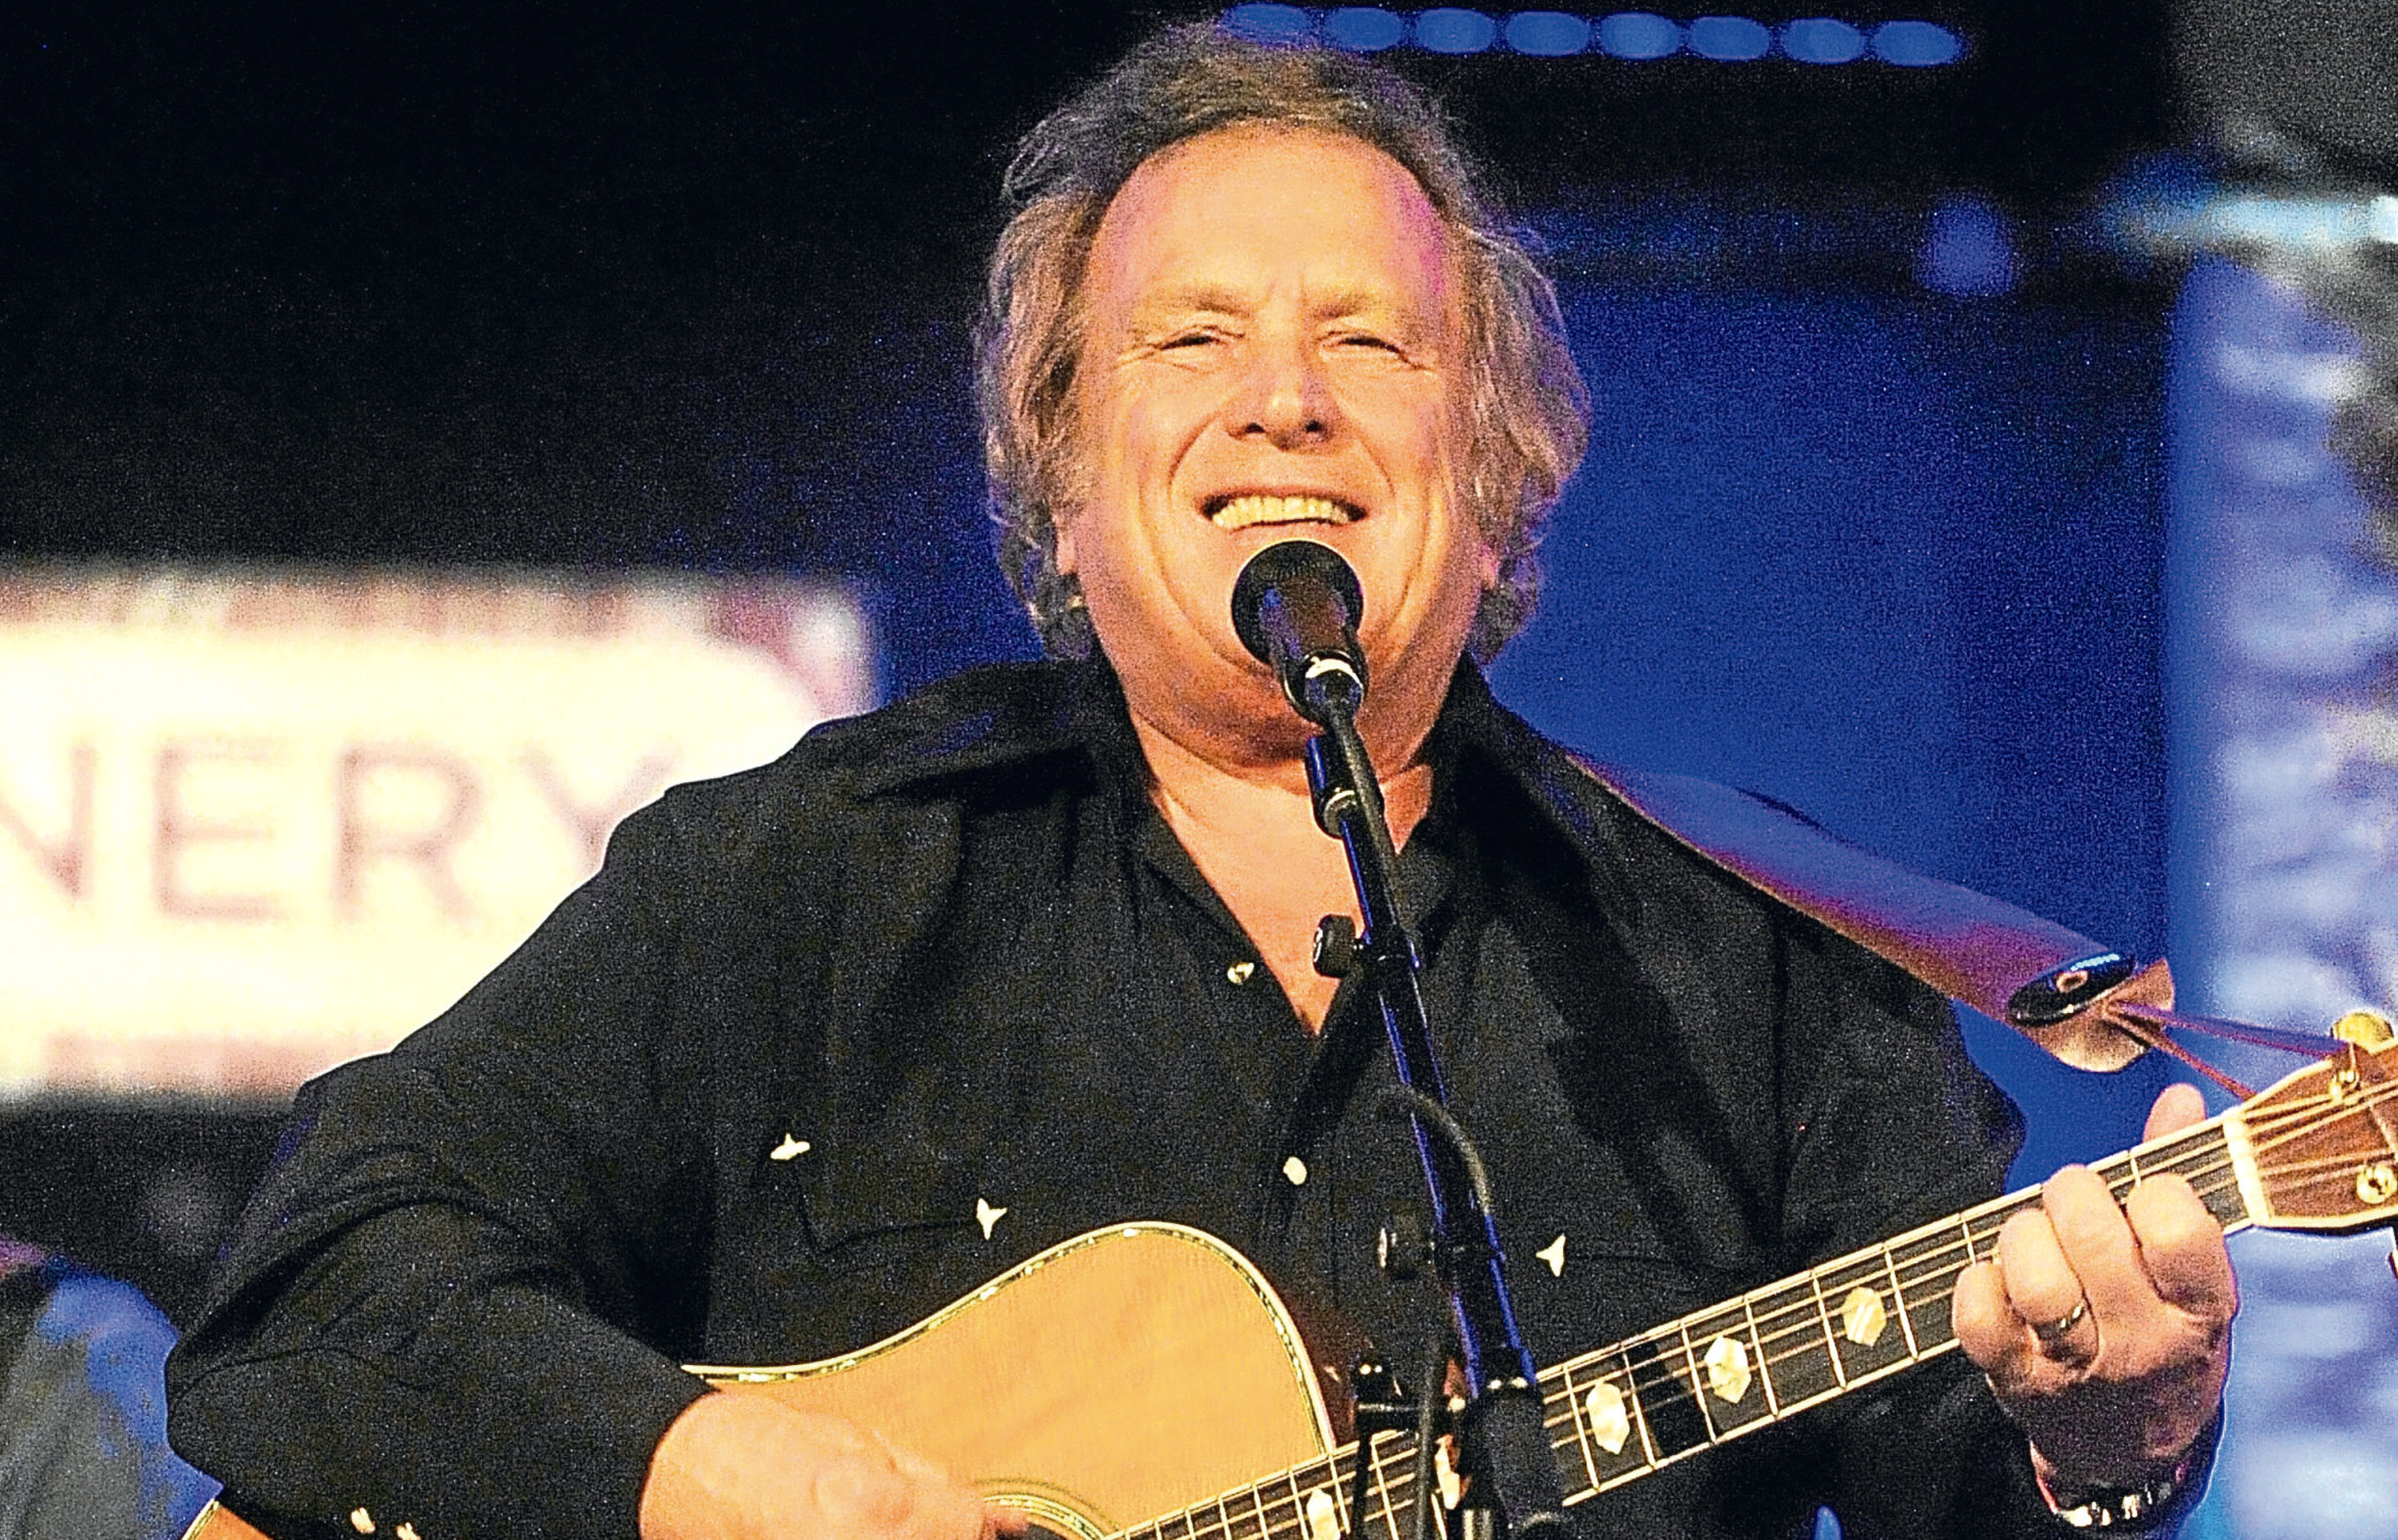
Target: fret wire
x=1380, y=1481
x=1765, y=1372
x=1298, y=1505
x=1582, y=1441
x=1698, y=1382
x=1940, y=1267
x=2197, y=1154
x=1344, y=1471
x=1338, y=1480
x=1823, y=1314
x=1898, y=1301
x=1265, y=1525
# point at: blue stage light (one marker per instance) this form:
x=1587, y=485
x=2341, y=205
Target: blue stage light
x=1450, y=29
x=1916, y=43
x=1268, y=23
x=1549, y=35
x=1364, y=29
x=1624, y=34
x=1729, y=38
x=1820, y=40
x=1639, y=34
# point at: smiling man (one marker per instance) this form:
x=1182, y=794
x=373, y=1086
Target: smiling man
x=827, y=1045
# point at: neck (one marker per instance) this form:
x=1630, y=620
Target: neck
x=1205, y=783
x=1249, y=826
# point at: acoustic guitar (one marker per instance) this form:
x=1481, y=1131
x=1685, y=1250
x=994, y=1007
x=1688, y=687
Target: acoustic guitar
x=1068, y=1387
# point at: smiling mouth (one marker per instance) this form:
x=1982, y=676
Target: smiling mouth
x=1261, y=509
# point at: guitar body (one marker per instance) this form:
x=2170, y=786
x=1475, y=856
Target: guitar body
x=1122, y=1376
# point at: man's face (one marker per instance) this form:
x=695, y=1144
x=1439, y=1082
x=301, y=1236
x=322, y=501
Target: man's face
x=1270, y=350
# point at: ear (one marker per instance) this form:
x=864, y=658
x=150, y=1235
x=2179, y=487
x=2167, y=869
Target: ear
x=1064, y=544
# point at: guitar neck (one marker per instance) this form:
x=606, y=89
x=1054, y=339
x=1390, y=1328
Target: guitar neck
x=1617, y=1414
x=1620, y=1413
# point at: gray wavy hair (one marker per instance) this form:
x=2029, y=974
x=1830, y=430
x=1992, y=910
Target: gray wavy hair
x=1523, y=406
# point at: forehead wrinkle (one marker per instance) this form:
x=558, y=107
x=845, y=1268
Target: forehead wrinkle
x=1339, y=300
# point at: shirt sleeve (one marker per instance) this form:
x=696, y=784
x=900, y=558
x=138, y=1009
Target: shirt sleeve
x=439, y=1306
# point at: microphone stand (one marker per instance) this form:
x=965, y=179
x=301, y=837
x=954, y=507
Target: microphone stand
x=1505, y=1438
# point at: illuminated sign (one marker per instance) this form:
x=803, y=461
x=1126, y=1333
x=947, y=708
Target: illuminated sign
x=255, y=825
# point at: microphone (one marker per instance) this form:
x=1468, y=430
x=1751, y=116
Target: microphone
x=1296, y=608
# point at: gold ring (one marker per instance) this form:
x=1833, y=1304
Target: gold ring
x=2057, y=1330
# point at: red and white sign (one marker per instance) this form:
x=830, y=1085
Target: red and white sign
x=252, y=825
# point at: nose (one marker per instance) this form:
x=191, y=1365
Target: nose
x=1285, y=397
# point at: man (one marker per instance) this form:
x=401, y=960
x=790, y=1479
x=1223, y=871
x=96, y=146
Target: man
x=827, y=1045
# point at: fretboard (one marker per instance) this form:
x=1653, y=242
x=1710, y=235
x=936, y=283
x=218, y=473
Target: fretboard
x=1617, y=1414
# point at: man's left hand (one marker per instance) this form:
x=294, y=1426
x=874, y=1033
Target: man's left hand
x=2106, y=1332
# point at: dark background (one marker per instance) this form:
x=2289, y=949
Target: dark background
x=607, y=284
x=620, y=285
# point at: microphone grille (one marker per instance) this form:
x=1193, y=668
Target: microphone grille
x=1283, y=563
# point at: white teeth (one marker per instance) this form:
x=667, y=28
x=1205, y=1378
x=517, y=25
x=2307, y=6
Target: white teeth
x=1259, y=509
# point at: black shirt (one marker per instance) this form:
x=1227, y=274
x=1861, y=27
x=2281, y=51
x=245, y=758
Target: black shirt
x=827, y=1045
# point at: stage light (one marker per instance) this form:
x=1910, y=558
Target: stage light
x=1450, y=29
x=1364, y=29
x=1916, y=44
x=1635, y=35
x=1729, y=39
x=1268, y=23
x=1820, y=40
x=1547, y=34
x=1639, y=34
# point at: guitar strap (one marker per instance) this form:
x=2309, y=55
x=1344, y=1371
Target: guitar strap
x=2093, y=1007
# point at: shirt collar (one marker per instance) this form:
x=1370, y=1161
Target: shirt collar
x=997, y=720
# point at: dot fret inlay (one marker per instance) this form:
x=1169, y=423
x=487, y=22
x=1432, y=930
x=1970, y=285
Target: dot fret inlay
x=1727, y=1369
x=1862, y=1317
x=1611, y=1423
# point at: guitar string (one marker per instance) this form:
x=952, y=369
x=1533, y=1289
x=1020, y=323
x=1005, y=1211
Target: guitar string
x=2200, y=1154
x=1292, y=1518
x=2305, y=1116
x=1813, y=1321
x=1940, y=1265
x=1333, y=1474
x=2211, y=1174
x=1874, y=1260
x=2192, y=1153
x=2192, y=1150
